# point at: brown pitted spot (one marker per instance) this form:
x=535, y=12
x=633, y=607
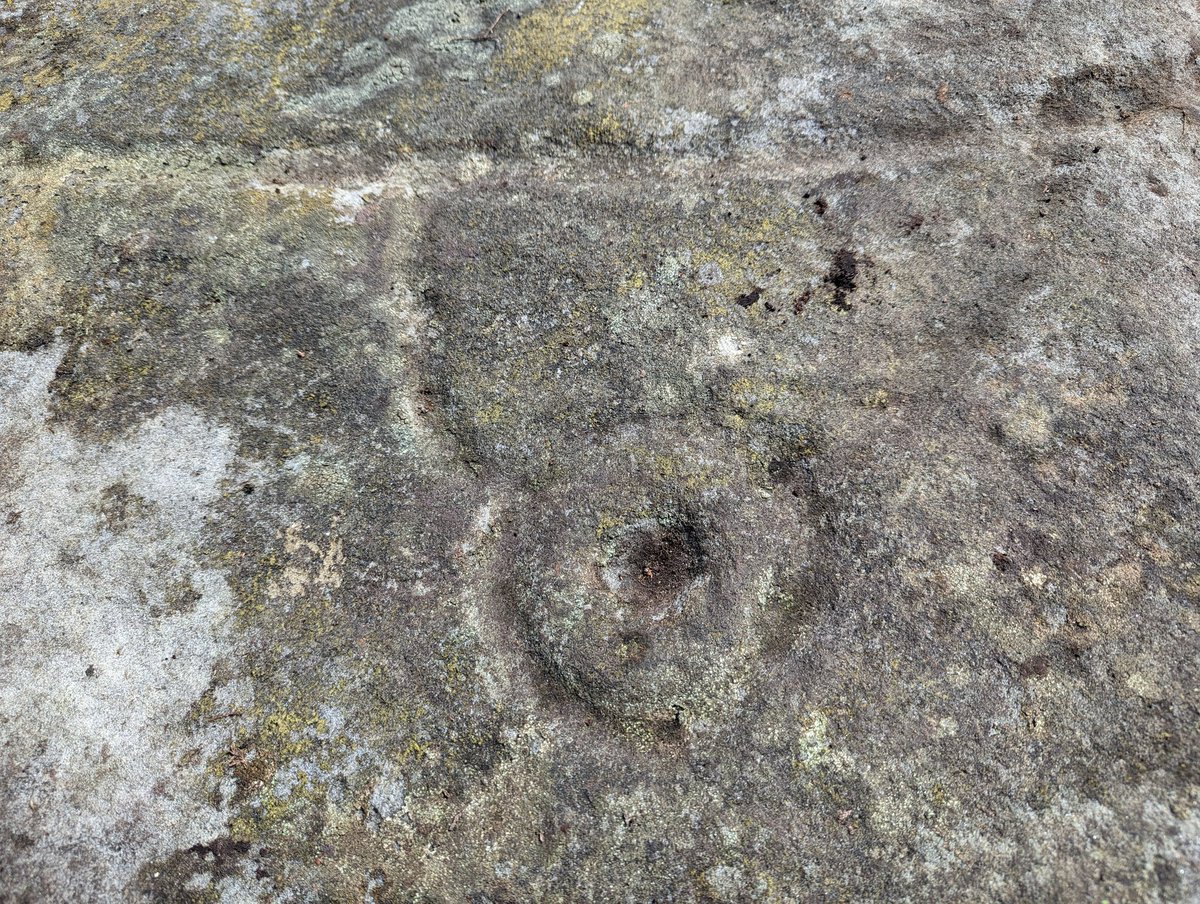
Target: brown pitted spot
x=1034, y=667
x=633, y=646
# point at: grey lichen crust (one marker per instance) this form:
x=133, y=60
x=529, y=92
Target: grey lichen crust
x=578, y=451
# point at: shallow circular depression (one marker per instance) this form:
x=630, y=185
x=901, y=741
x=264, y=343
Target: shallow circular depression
x=642, y=623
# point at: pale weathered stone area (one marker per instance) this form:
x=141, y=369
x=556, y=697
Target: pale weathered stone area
x=578, y=451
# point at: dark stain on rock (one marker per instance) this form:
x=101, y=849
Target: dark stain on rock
x=119, y=506
x=750, y=297
x=1097, y=93
x=180, y=597
x=781, y=470
x=799, y=600
x=843, y=277
x=634, y=645
x=220, y=850
x=170, y=879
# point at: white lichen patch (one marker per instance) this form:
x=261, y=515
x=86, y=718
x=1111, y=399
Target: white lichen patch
x=349, y=202
x=111, y=628
x=312, y=566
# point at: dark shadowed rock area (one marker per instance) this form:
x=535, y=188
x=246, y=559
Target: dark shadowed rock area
x=625, y=451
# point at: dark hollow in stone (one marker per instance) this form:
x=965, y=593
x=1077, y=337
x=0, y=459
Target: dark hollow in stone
x=661, y=563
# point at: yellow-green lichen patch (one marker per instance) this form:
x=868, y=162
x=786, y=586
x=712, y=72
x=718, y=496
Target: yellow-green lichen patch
x=554, y=34
x=757, y=251
x=33, y=280
x=606, y=127
x=105, y=363
x=260, y=50
x=279, y=769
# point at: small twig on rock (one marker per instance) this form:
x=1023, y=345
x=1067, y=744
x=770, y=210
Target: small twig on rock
x=490, y=34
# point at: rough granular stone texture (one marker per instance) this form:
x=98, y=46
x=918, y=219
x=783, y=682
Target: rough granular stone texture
x=628, y=451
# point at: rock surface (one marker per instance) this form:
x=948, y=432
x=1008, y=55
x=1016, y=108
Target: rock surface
x=599, y=451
